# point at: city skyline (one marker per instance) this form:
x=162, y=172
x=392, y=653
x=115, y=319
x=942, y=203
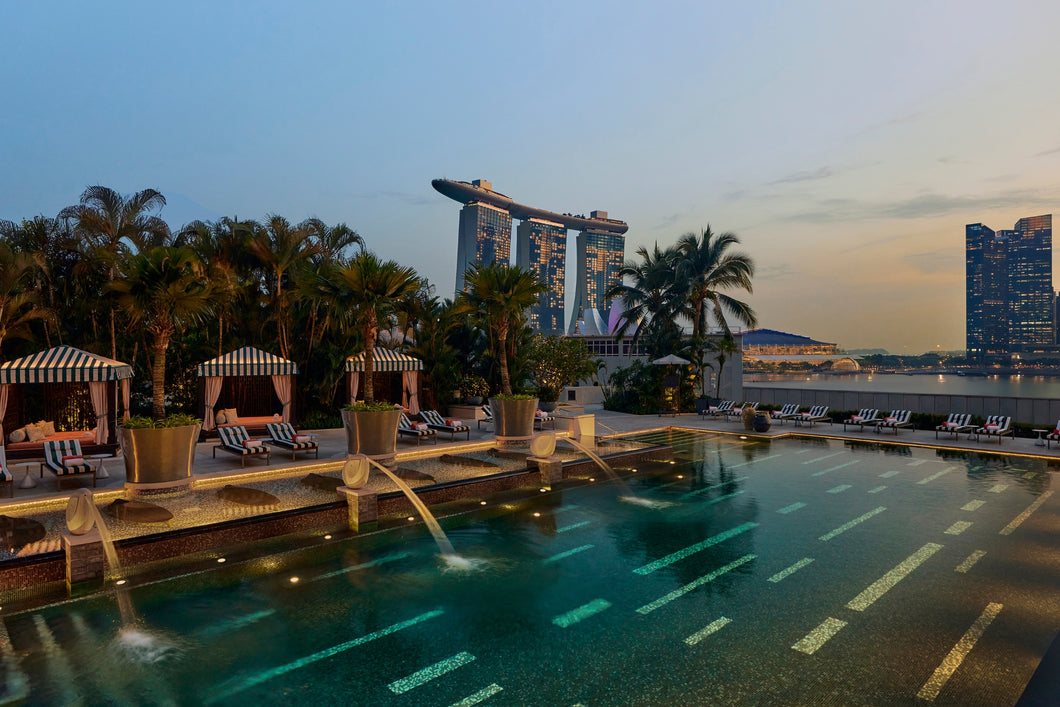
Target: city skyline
x=839, y=176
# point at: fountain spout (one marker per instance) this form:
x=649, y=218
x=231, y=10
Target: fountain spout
x=444, y=545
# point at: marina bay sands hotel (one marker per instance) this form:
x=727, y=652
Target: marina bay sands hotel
x=486, y=236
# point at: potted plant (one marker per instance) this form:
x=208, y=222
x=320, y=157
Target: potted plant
x=548, y=397
x=474, y=389
x=159, y=453
x=372, y=430
x=513, y=417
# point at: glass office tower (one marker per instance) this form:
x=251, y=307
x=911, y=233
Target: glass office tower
x=485, y=237
x=600, y=257
x=542, y=249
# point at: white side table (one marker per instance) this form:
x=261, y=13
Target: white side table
x=27, y=481
x=101, y=472
x=1040, y=442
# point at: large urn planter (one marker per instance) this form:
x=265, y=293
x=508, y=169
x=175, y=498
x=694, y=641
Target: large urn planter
x=158, y=457
x=513, y=420
x=372, y=433
x=762, y=422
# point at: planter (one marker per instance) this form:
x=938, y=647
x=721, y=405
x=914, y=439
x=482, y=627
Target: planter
x=473, y=400
x=373, y=434
x=548, y=407
x=762, y=423
x=158, y=458
x=513, y=420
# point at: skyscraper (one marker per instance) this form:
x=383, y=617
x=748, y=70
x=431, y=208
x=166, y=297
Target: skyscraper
x=541, y=248
x=600, y=257
x=1009, y=291
x=485, y=236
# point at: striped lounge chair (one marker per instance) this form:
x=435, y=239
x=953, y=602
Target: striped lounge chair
x=409, y=429
x=865, y=416
x=232, y=441
x=488, y=419
x=437, y=422
x=721, y=408
x=541, y=418
x=737, y=412
x=786, y=413
x=6, y=477
x=996, y=426
x=956, y=423
x=1053, y=436
x=897, y=418
x=63, y=458
x=818, y=413
x=282, y=434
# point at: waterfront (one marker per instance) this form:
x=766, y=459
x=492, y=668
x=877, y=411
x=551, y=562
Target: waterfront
x=1018, y=386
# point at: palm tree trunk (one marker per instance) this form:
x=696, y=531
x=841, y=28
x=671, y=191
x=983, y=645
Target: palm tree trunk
x=113, y=336
x=158, y=378
x=370, y=333
x=502, y=357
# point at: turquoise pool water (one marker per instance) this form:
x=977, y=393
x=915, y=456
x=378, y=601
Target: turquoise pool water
x=796, y=571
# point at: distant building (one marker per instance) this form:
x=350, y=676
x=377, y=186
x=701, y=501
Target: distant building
x=769, y=342
x=485, y=236
x=1009, y=299
x=600, y=257
x=541, y=248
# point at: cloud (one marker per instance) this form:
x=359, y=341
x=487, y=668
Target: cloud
x=405, y=197
x=805, y=176
x=936, y=261
x=668, y=221
x=926, y=205
x=1048, y=152
x=783, y=271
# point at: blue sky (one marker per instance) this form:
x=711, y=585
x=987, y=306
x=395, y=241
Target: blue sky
x=847, y=144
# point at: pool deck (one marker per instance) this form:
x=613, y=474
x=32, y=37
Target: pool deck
x=333, y=449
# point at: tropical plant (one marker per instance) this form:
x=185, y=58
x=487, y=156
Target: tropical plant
x=363, y=292
x=556, y=362
x=162, y=290
x=19, y=305
x=704, y=268
x=498, y=296
x=113, y=227
x=474, y=387
x=650, y=298
x=724, y=349
x=139, y=422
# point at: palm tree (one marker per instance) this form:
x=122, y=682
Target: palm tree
x=363, y=292
x=724, y=349
x=162, y=289
x=18, y=300
x=500, y=295
x=703, y=268
x=223, y=247
x=651, y=299
x=282, y=249
x=114, y=227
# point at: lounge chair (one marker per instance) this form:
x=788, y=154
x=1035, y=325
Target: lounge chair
x=419, y=430
x=865, y=416
x=818, y=413
x=897, y=418
x=956, y=423
x=786, y=413
x=6, y=477
x=437, y=422
x=235, y=440
x=64, y=458
x=283, y=435
x=488, y=419
x=541, y=417
x=721, y=408
x=737, y=412
x=996, y=426
x=1053, y=436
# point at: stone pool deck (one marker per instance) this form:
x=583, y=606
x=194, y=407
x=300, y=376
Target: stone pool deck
x=333, y=449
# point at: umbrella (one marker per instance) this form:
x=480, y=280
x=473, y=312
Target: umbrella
x=670, y=359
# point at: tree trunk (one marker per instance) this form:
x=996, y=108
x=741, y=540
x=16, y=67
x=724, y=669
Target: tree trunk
x=502, y=357
x=158, y=378
x=721, y=365
x=113, y=336
x=371, y=330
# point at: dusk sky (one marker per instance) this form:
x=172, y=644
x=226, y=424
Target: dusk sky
x=846, y=143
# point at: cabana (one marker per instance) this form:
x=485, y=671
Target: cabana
x=247, y=361
x=387, y=361
x=65, y=364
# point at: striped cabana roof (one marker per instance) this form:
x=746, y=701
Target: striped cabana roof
x=64, y=364
x=247, y=361
x=386, y=361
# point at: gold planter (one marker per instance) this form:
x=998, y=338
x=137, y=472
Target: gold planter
x=513, y=420
x=158, y=457
x=373, y=434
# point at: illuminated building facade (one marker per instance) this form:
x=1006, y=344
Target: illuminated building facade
x=1009, y=290
x=542, y=250
x=600, y=257
x=485, y=237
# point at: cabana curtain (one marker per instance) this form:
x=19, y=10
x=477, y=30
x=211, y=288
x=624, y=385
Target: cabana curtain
x=3, y=409
x=387, y=361
x=98, y=393
x=247, y=361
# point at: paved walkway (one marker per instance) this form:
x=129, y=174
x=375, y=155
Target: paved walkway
x=333, y=448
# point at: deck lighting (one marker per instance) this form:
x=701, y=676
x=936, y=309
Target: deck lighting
x=680, y=476
x=412, y=518
x=328, y=536
x=220, y=559
x=294, y=580
x=743, y=436
x=542, y=490
x=120, y=582
x=482, y=503
x=537, y=515
x=591, y=478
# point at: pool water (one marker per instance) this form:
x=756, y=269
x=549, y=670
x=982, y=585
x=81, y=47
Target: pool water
x=797, y=571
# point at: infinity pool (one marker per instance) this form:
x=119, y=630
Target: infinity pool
x=797, y=571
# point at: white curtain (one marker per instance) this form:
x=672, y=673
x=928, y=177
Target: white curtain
x=355, y=384
x=212, y=392
x=282, y=385
x=126, y=397
x=3, y=410
x=98, y=393
x=410, y=397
